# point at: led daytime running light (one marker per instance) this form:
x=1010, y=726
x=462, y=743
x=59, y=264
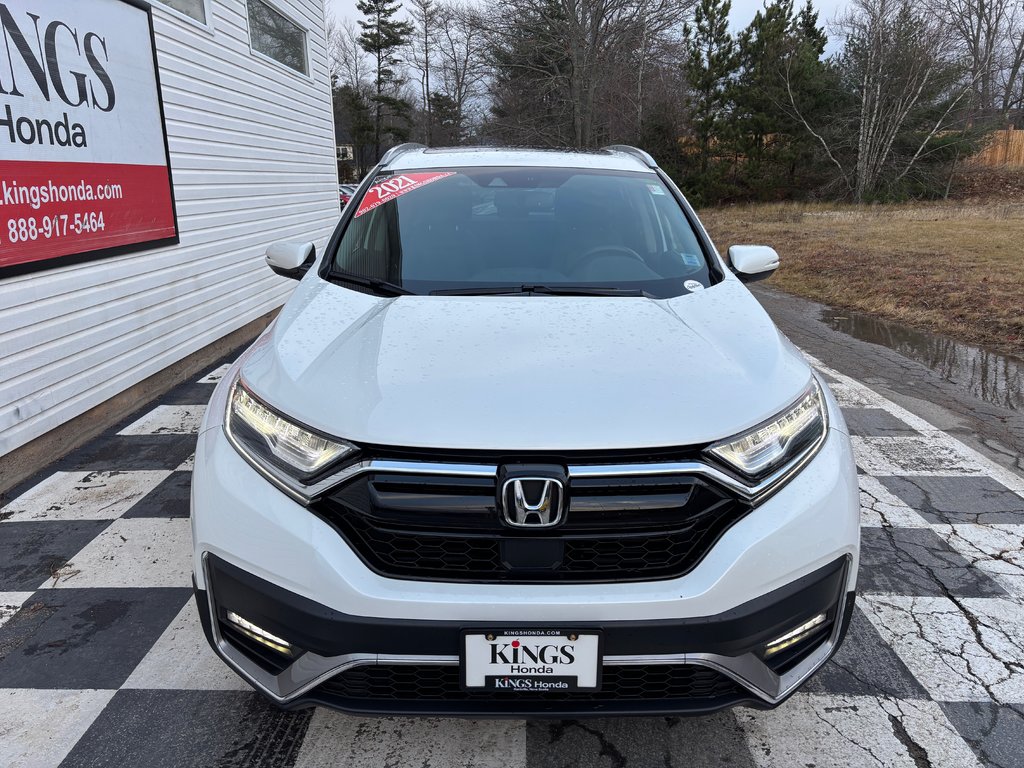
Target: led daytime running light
x=288, y=443
x=259, y=634
x=764, y=448
x=794, y=636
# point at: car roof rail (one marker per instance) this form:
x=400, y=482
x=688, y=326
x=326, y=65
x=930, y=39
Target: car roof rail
x=400, y=149
x=639, y=154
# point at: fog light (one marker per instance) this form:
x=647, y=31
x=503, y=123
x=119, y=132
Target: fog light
x=794, y=636
x=259, y=634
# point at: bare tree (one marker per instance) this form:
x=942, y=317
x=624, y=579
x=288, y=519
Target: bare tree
x=578, y=45
x=462, y=70
x=902, y=73
x=1011, y=74
x=976, y=28
x=347, y=61
x=424, y=15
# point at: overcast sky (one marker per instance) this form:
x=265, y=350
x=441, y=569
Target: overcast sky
x=742, y=11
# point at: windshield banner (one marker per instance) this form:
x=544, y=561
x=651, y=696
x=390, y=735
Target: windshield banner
x=84, y=168
x=396, y=186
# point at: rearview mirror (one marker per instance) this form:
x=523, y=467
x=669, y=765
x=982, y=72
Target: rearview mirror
x=753, y=262
x=290, y=259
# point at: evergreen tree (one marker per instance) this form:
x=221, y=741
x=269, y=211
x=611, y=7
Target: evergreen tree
x=711, y=62
x=382, y=37
x=779, y=55
x=447, y=122
x=353, y=116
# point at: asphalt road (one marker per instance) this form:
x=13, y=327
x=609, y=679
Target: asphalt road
x=102, y=662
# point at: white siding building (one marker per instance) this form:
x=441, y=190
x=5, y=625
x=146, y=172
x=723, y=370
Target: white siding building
x=253, y=160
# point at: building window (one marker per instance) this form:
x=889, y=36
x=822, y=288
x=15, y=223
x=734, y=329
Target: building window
x=195, y=9
x=275, y=35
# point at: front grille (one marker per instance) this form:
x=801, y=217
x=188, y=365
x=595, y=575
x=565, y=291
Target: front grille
x=648, y=682
x=449, y=529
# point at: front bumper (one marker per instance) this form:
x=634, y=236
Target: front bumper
x=716, y=661
x=264, y=556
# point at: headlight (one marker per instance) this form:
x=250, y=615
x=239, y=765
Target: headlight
x=771, y=445
x=276, y=445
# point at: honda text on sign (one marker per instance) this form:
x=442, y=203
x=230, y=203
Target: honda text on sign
x=522, y=443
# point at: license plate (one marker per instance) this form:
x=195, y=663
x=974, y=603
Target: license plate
x=531, y=660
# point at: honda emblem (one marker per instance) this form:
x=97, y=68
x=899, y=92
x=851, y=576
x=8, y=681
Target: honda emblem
x=533, y=502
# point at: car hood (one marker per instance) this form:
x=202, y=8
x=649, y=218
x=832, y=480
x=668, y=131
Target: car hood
x=525, y=373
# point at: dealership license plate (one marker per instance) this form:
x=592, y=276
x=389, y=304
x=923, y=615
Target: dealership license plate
x=531, y=660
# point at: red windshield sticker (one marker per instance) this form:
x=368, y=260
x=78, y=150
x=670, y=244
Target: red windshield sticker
x=396, y=186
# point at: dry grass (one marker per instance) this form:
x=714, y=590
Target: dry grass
x=955, y=268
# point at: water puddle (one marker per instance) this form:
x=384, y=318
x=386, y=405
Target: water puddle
x=991, y=377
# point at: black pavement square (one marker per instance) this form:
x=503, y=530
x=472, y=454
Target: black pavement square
x=865, y=666
x=84, y=638
x=32, y=551
x=128, y=452
x=188, y=394
x=190, y=729
x=169, y=499
x=643, y=741
x=918, y=563
x=955, y=500
x=874, y=422
x=995, y=732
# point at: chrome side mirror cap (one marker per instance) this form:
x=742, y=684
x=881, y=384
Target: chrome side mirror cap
x=753, y=262
x=291, y=259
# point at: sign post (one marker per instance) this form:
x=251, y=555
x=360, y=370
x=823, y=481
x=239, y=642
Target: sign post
x=84, y=165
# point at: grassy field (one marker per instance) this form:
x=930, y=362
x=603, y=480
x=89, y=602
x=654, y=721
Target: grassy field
x=956, y=268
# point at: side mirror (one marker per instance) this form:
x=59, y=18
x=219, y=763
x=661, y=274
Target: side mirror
x=290, y=259
x=753, y=262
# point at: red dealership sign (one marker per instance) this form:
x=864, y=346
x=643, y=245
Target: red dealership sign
x=84, y=168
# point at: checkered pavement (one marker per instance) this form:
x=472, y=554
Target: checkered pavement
x=103, y=662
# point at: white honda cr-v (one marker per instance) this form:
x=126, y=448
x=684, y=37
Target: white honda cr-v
x=522, y=443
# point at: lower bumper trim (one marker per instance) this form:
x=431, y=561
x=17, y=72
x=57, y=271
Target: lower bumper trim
x=742, y=677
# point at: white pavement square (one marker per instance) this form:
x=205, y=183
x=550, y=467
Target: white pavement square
x=181, y=659
x=996, y=549
x=973, y=653
x=855, y=397
x=10, y=604
x=84, y=495
x=334, y=740
x=24, y=743
x=852, y=731
x=168, y=420
x=215, y=375
x=136, y=552
x=882, y=456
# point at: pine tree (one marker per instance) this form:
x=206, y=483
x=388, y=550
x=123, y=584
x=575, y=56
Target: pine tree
x=711, y=63
x=779, y=54
x=382, y=37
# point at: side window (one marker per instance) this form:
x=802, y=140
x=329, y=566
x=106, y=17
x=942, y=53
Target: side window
x=195, y=9
x=276, y=36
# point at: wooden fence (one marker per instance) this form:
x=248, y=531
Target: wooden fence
x=1003, y=148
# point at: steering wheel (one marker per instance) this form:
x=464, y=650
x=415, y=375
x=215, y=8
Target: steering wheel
x=603, y=250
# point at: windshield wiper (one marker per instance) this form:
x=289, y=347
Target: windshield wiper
x=542, y=290
x=382, y=287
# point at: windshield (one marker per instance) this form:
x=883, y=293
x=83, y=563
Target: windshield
x=473, y=230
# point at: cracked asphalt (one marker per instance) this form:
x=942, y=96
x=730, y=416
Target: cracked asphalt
x=102, y=662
